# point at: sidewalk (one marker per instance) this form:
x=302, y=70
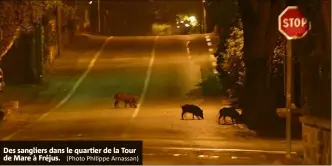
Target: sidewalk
x=37, y=100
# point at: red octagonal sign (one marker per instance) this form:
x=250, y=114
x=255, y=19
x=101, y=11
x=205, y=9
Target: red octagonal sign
x=293, y=24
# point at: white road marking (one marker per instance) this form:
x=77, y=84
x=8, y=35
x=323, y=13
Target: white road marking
x=214, y=157
x=72, y=91
x=202, y=156
x=147, y=79
x=188, y=50
x=148, y=154
x=237, y=157
x=221, y=150
x=212, y=57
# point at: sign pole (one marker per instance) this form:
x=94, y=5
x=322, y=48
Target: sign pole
x=289, y=99
x=293, y=25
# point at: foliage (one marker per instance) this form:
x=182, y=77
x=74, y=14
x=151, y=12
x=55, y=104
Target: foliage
x=51, y=39
x=230, y=59
x=161, y=29
x=233, y=64
x=279, y=53
x=191, y=20
x=68, y=12
x=21, y=16
x=180, y=17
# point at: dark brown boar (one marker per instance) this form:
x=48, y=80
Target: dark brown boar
x=126, y=98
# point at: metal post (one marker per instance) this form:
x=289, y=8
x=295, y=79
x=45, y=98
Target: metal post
x=99, y=16
x=285, y=71
x=289, y=99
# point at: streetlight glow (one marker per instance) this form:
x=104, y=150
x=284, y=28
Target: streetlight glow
x=192, y=19
x=90, y=2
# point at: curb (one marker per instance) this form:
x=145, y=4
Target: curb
x=211, y=56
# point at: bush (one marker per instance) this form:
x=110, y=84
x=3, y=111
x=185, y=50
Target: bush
x=23, y=16
x=161, y=29
x=230, y=60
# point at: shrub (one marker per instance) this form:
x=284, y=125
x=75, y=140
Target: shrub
x=230, y=59
x=161, y=29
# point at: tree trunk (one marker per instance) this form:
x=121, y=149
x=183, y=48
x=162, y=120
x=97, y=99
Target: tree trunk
x=326, y=61
x=248, y=30
x=260, y=38
x=224, y=15
x=318, y=71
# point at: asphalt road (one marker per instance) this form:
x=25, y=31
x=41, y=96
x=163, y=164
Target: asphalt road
x=160, y=72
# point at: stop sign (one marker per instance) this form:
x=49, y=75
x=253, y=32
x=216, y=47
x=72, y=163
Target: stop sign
x=292, y=23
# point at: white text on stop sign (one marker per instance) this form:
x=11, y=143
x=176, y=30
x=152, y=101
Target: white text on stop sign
x=294, y=22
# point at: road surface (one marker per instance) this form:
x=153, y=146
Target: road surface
x=163, y=75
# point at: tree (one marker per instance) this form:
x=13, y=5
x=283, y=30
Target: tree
x=231, y=64
x=259, y=18
x=28, y=17
x=263, y=50
x=22, y=15
x=316, y=58
x=223, y=13
x=260, y=37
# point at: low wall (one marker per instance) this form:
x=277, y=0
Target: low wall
x=316, y=137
